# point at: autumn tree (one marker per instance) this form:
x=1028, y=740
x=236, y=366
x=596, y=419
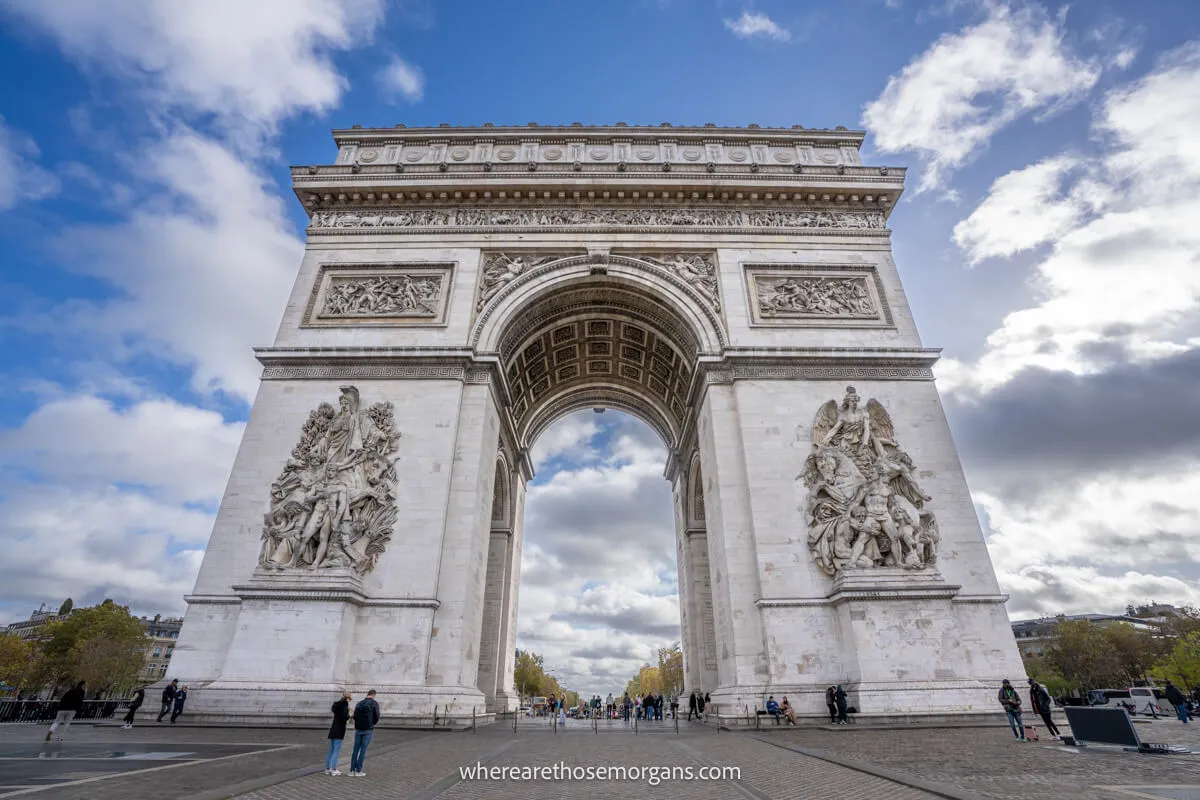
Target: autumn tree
x=1081, y=653
x=16, y=656
x=1136, y=651
x=1182, y=663
x=103, y=645
x=670, y=668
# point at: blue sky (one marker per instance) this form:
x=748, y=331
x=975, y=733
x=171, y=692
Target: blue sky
x=150, y=237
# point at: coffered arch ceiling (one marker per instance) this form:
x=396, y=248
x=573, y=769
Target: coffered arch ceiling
x=602, y=345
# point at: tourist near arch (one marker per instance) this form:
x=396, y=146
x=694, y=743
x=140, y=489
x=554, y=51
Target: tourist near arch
x=462, y=289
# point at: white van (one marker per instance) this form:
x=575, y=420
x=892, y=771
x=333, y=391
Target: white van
x=1145, y=700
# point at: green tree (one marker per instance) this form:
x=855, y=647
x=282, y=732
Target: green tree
x=1182, y=663
x=1081, y=653
x=1041, y=670
x=1136, y=651
x=103, y=645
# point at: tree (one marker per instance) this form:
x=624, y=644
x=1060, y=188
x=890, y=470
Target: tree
x=66, y=607
x=103, y=645
x=670, y=668
x=16, y=656
x=1182, y=663
x=1041, y=670
x=1135, y=651
x=1081, y=653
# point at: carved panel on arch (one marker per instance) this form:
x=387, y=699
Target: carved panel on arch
x=379, y=295
x=826, y=295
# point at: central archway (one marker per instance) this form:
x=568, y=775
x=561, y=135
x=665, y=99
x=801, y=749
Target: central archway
x=621, y=334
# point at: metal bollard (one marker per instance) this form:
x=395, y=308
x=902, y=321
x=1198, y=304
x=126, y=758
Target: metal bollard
x=472, y=719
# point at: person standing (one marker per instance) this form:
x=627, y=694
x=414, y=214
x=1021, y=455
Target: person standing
x=366, y=717
x=831, y=703
x=700, y=701
x=337, y=733
x=839, y=700
x=626, y=703
x=135, y=703
x=1011, y=702
x=1042, y=705
x=180, y=699
x=1176, y=698
x=609, y=706
x=168, y=699
x=693, y=707
x=68, y=707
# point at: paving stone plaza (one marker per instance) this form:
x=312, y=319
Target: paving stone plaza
x=103, y=762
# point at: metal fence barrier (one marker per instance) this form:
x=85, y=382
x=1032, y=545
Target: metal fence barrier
x=35, y=711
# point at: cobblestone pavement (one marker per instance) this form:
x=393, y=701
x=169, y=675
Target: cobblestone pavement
x=775, y=764
x=991, y=763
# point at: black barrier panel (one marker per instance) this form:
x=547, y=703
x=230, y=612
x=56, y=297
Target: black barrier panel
x=1103, y=726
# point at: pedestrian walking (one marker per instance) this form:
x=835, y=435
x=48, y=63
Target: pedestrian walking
x=180, y=699
x=168, y=699
x=1042, y=705
x=707, y=702
x=70, y=705
x=366, y=717
x=135, y=703
x=693, y=706
x=1176, y=698
x=839, y=701
x=831, y=702
x=337, y=733
x=700, y=706
x=1011, y=702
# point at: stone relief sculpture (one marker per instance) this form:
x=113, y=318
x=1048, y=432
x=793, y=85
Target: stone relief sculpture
x=334, y=503
x=860, y=488
x=390, y=296
x=818, y=296
x=607, y=217
x=500, y=269
x=697, y=269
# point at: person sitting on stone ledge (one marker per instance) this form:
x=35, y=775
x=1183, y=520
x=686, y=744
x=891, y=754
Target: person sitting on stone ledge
x=788, y=711
x=773, y=708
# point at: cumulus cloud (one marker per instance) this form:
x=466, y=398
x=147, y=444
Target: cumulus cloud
x=751, y=24
x=21, y=178
x=1131, y=266
x=949, y=101
x=246, y=63
x=102, y=501
x=401, y=79
x=598, y=577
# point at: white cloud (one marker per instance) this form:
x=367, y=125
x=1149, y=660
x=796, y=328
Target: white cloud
x=20, y=176
x=1126, y=275
x=404, y=79
x=177, y=452
x=753, y=24
x=101, y=501
x=1023, y=209
x=246, y=63
x=204, y=265
x=949, y=101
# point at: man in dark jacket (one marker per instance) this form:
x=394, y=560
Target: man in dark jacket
x=1042, y=705
x=180, y=699
x=839, y=699
x=168, y=699
x=1176, y=698
x=1010, y=701
x=134, y=704
x=831, y=703
x=693, y=707
x=70, y=704
x=366, y=717
x=337, y=732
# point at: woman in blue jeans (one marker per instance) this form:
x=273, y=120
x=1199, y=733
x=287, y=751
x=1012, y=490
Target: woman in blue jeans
x=337, y=732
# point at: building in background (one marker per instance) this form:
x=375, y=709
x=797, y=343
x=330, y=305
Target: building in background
x=33, y=627
x=162, y=634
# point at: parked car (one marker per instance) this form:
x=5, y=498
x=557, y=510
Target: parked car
x=1136, y=699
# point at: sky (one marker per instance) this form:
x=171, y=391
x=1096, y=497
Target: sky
x=1047, y=242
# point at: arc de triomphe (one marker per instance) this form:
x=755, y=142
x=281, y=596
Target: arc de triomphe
x=462, y=288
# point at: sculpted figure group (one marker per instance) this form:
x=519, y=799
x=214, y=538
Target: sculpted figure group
x=860, y=490
x=822, y=297
x=393, y=295
x=334, y=503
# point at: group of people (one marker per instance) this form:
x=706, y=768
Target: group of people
x=785, y=708
x=1039, y=701
x=71, y=703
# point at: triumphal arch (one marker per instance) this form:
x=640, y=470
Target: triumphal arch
x=463, y=288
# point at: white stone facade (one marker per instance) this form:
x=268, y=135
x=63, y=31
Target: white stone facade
x=723, y=284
